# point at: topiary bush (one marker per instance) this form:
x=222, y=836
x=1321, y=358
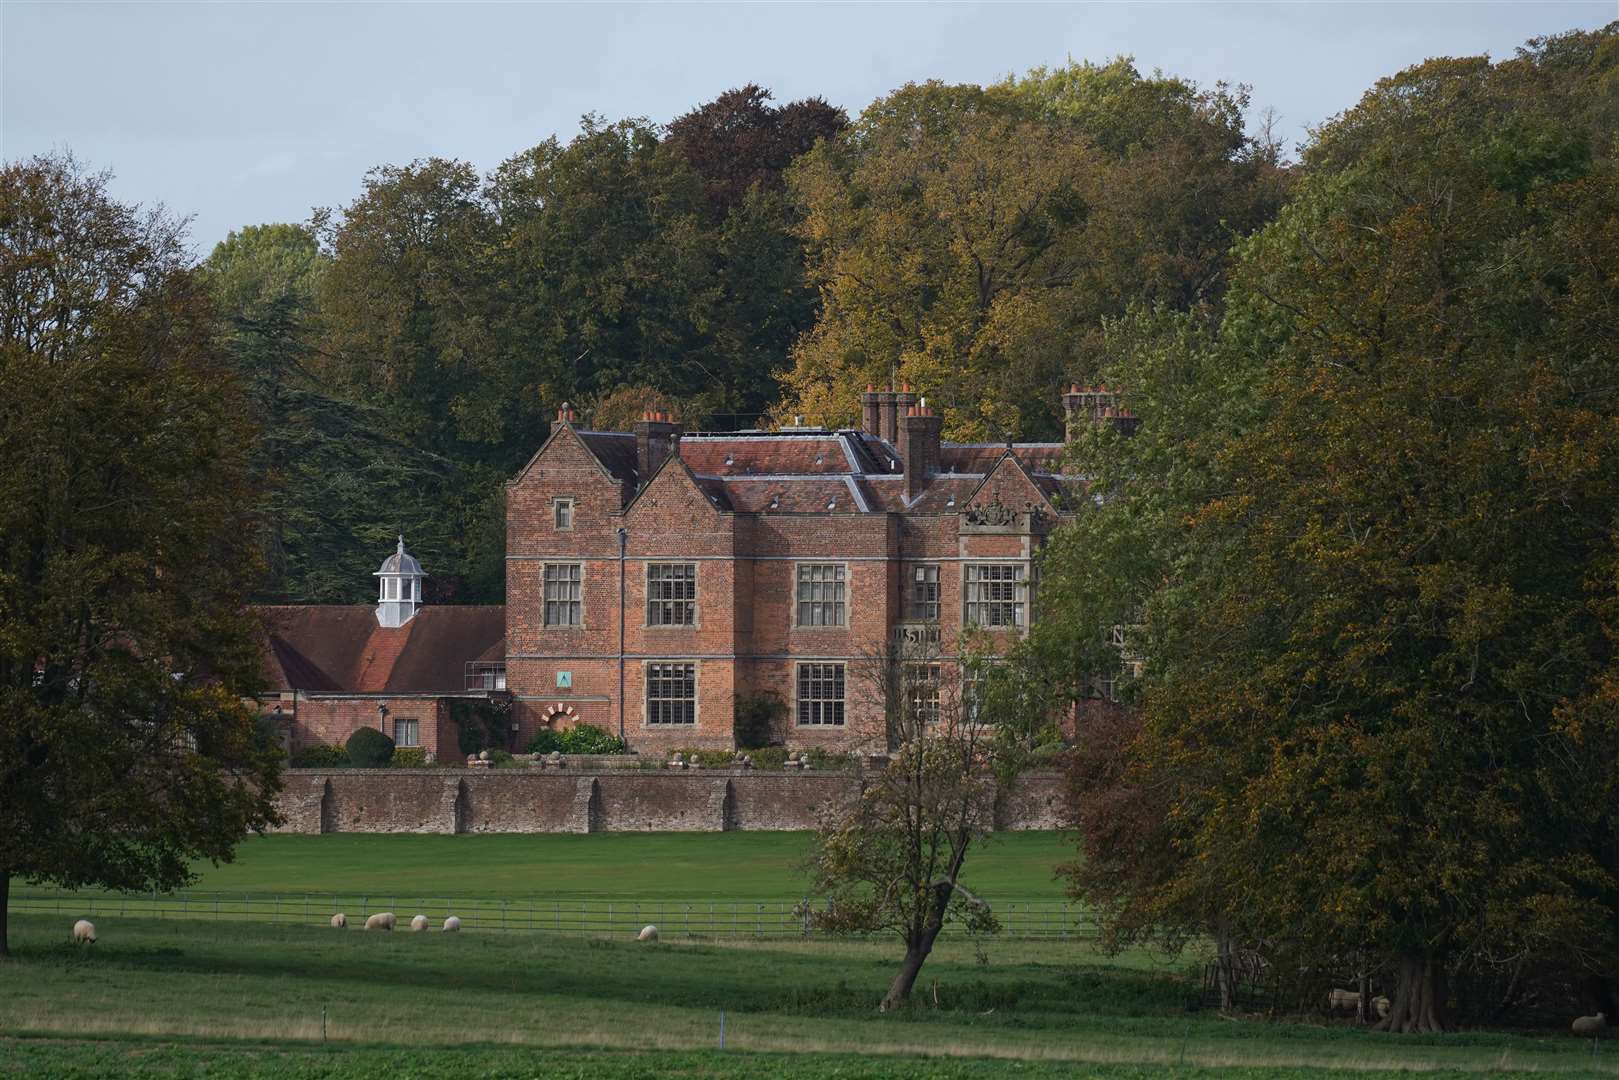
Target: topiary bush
x=545, y=741
x=590, y=739
x=370, y=749
x=758, y=715
x=321, y=757
x=409, y=757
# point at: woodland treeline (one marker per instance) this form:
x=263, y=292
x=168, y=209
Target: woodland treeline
x=745, y=263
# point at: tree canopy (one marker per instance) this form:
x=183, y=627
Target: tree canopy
x=126, y=550
x=1366, y=539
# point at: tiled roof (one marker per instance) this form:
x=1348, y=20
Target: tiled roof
x=823, y=471
x=981, y=457
x=768, y=455
x=340, y=647
x=615, y=450
x=798, y=495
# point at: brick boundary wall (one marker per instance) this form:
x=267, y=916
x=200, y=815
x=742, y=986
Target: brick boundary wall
x=585, y=801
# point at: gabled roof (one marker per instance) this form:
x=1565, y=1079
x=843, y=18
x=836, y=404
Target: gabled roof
x=331, y=648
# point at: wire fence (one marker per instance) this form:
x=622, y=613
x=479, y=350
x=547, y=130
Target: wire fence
x=679, y=918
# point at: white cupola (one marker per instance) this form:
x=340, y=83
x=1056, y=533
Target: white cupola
x=399, y=591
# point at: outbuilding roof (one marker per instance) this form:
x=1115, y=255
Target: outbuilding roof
x=334, y=648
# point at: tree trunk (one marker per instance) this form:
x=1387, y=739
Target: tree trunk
x=1419, y=1001
x=5, y=904
x=1225, y=968
x=900, y=989
x=917, y=950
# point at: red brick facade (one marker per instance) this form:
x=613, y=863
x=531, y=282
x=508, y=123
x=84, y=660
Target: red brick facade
x=702, y=567
x=748, y=515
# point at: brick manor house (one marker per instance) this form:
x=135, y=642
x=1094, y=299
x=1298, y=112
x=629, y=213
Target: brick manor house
x=653, y=575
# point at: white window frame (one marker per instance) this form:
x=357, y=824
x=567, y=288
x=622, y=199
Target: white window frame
x=690, y=623
x=838, y=707
x=648, y=673
x=415, y=728
x=1019, y=602
x=545, y=598
x=916, y=580
x=840, y=582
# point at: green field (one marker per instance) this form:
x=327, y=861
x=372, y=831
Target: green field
x=228, y=999
x=623, y=866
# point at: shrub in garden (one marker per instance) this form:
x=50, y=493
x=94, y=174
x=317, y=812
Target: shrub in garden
x=409, y=757
x=502, y=759
x=370, y=749
x=590, y=739
x=770, y=757
x=321, y=757
x=545, y=741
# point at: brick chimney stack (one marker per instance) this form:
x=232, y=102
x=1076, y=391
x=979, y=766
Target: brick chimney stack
x=655, y=436
x=919, y=447
x=565, y=414
x=887, y=416
x=1095, y=405
x=903, y=400
x=870, y=414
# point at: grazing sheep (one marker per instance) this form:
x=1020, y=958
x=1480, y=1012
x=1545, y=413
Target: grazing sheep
x=383, y=921
x=84, y=932
x=452, y=924
x=340, y=921
x=648, y=933
x=1583, y=1025
x=419, y=923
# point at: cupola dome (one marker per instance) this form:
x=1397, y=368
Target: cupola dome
x=399, y=587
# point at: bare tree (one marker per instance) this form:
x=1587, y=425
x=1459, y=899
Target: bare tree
x=892, y=860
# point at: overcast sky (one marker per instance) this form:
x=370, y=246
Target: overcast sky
x=245, y=113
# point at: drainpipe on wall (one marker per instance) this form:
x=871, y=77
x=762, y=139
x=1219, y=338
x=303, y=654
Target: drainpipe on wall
x=623, y=538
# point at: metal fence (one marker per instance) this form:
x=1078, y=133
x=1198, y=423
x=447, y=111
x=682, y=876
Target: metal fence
x=680, y=918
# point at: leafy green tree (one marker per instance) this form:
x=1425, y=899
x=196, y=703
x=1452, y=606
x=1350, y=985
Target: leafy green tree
x=1366, y=539
x=126, y=551
x=340, y=482
x=892, y=860
x=971, y=240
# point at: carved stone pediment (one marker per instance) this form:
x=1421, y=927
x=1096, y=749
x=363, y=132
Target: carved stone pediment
x=996, y=516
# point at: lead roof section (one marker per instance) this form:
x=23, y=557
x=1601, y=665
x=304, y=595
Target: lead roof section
x=828, y=472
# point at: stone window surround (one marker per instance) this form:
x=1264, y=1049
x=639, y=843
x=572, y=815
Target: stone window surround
x=696, y=597
x=847, y=601
x=545, y=621
x=838, y=725
x=646, y=696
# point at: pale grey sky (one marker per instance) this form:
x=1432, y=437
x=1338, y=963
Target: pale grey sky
x=243, y=113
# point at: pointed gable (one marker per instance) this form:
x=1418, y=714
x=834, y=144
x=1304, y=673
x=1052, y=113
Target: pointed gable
x=570, y=453
x=675, y=490
x=1009, y=484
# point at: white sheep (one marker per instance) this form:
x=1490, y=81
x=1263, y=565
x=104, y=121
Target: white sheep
x=382, y=921
x=339, y=921
x=419, y=923
x=452, y=924
x=84, y=932
x=648, y=933
x=1583, y=1025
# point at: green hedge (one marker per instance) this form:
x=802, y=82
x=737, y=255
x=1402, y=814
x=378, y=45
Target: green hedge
x=409, y=757
x=589, y=739
x=370, y=748
x=321, y=757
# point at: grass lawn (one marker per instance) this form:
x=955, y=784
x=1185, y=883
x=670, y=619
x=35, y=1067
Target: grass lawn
x=620, y=866
x=217, y=998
